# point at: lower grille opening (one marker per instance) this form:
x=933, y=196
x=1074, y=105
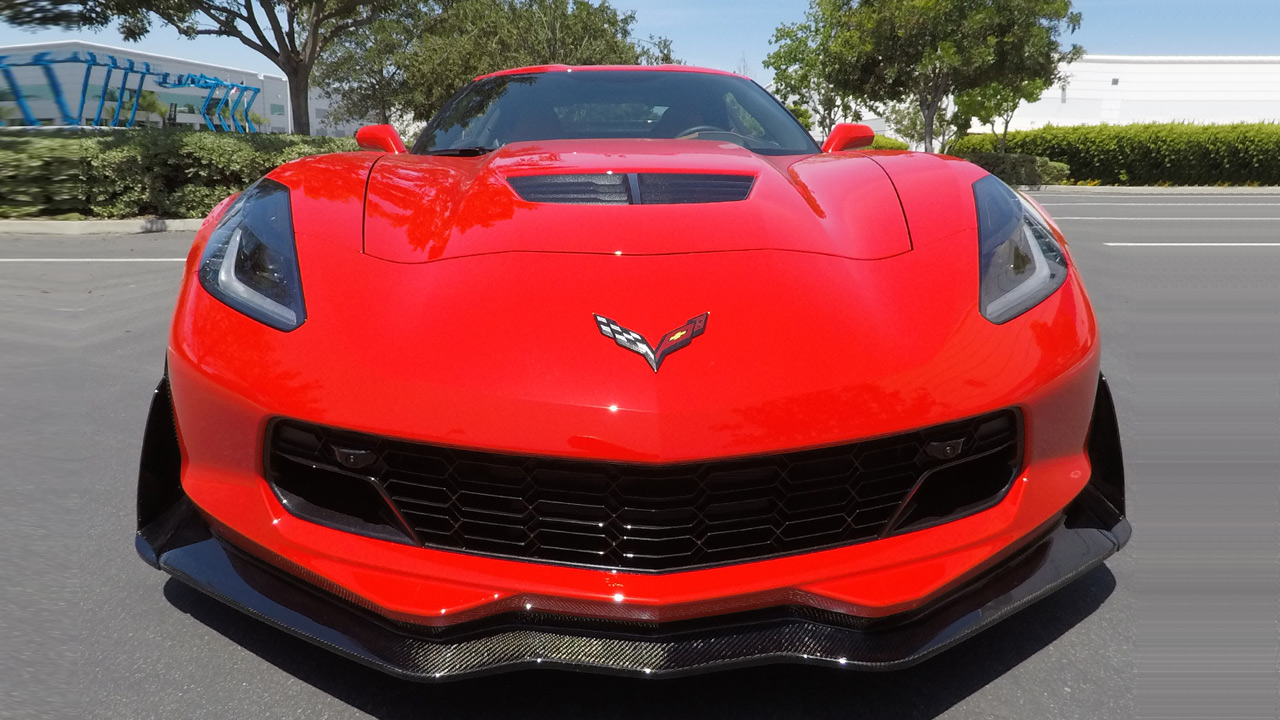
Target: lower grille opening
x=336, y=499
x=959, y=489
x=642, y=517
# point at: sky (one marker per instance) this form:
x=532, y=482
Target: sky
x=728, y=35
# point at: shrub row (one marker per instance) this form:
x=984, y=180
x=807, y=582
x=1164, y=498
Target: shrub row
x=169, y=173
x=887, y=143
x=1017, y=169
x=1151, y=154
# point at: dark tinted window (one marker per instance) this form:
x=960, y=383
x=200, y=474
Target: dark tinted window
x=613, y=104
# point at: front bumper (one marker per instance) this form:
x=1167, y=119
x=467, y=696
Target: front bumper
x=528, y=639
x=177, y=539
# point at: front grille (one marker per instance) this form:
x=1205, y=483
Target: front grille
x=632, y=188
x=641, y=517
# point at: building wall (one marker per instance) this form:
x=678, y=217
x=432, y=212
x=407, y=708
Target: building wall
x=1118, y=89
x=271, y=103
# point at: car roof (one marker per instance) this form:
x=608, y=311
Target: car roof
x=535, y=69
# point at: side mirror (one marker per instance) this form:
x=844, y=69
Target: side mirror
x=848, y=136
x=380, y=138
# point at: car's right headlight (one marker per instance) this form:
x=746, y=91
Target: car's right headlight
x=250, y=261
x=1019, y=261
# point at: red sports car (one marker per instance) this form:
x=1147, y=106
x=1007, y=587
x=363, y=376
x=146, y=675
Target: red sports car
x=617, y=370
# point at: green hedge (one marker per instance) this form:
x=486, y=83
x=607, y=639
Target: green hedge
x=1017, y=169
x=1151, y=154
x=168, y=173
x=887, y=143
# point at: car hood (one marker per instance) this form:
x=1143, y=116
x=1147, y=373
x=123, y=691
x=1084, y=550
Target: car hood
x=423, y=208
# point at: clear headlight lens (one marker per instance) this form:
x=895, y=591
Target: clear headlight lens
x=250, y=261
x=1019, y=261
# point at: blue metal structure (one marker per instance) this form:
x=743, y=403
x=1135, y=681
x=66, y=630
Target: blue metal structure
x=238, y=92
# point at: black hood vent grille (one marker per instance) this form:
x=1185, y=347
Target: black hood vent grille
x=595, y=189
x=633, y=188
x=676, y=188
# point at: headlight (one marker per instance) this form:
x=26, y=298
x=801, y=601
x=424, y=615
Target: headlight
x=250, y=261
x=1019, y=262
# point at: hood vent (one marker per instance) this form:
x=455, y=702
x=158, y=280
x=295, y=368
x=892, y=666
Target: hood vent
x=633, y=188
x=597, y=189
x=673, y=188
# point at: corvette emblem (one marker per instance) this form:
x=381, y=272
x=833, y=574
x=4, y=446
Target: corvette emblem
x=635, y=342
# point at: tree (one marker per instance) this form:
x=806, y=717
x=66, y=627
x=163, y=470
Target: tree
x=149, y=104
x=52, y=13
x=994, y=103
x=362, y=73
x=798, y=74
x=407, y=67
x=907, y=122
x=925, y=51
x=803, y=115
x=289, y=33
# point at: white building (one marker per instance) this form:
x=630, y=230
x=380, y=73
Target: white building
x=77, y=90
x=1122, y=89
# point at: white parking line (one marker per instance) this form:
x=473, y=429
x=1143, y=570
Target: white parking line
x=1154, y=196
x=1193, y=244
x=1173, y=204
x=88, y=260
x=1166, y=217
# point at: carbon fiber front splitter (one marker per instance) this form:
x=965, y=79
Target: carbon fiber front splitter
x=521, y=640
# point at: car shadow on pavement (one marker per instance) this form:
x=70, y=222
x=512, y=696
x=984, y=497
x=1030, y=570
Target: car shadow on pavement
x=923, y=691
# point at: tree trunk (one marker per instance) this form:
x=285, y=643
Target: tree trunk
x=928, y=110
x=299, y=84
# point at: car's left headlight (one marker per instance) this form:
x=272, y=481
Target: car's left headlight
x=1019, y=261
x=251, y=262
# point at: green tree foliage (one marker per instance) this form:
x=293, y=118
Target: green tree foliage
x=885, y=51
x=994, y=105
x=362, y=73
x=803, y=115
x=289, y=33
x=52, y=13
x=799, y=76
x=406, y=67
x=150, y=106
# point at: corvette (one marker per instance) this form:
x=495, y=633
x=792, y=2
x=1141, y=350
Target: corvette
x=617, y=370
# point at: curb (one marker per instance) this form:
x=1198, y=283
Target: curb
x=97, y=227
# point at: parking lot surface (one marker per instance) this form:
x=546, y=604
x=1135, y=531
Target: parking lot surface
x=1182, y=624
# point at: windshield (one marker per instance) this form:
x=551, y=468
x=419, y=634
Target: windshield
x=495, y=111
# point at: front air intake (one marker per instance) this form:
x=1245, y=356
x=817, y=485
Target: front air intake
x=643, y=517
x=633, y=188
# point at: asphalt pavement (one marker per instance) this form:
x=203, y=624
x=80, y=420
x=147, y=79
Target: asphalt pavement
x=1185, y=623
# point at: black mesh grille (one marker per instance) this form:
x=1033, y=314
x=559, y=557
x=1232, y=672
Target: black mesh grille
x=673, y=188
x=594, y=189
x=649, y=517
x=633, y=188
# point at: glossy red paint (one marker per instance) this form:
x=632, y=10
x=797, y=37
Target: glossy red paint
x=380, y=138
x=422, y=208
x=453, y=312
x=533, y=69
x=848, y=136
